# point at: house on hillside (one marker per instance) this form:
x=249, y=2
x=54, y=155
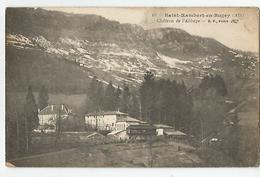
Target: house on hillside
x=48, y=116
x=104, y=120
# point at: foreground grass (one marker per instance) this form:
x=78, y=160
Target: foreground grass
x=160, y=154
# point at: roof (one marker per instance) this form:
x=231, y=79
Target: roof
x=141, y=126
x=106, y=113
x=128, y=119
x=116, y=132
x=54, y=109
x=95, y=133
x=174, y=133
x=162, y=126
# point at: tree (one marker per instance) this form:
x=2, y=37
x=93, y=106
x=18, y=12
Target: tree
x=183, y=108
x=149, y=76
x=147, y=96
x=134, y=107
x=210, y=112
x=43, y=98
x=118, y=93
x=90, y=95
x=99, y=96
x=220, y=85
x=110, y=98
x=94, y=96
x=125, y=99
x=166, y=101
x=58, y=128
x=213, y=86
x=31, y=117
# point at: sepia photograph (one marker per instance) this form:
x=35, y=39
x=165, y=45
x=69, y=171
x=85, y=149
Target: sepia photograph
x=132, y=87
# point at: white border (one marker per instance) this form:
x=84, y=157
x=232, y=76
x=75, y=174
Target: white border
x=140, y=3
x=108, y=172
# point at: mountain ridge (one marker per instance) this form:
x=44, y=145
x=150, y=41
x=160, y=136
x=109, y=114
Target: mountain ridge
x=122, y=52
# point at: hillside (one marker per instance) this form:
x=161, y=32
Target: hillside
x=24, y=67
x=92, y=45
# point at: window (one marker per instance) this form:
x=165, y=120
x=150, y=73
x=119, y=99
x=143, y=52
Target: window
x=112, y=124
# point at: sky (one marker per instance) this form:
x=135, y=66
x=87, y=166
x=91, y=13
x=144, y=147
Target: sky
x=242, y=35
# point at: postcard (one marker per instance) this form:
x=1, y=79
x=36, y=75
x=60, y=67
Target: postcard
x=132, y=87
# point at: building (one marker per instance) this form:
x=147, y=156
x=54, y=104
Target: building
x=104, y=120
x=140, y=132
x=121, y=125
x=123, y=122
x=48, y=116
x=174, y=134
x=120, y=135
x=160, y=128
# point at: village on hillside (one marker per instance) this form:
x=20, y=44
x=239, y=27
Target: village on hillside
x=111, y=133
x=114, y=131
x=110, y=123
x=102, y=129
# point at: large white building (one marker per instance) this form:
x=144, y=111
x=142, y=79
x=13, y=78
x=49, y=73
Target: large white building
x=48, y=116
x=110, y=120
x=104, y=120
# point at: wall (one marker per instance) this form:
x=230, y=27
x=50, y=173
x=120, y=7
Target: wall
x=123, y=135
x=124, y=125
x=121, y=126
x=104, y=122
x=159, y=131
x=45, y=119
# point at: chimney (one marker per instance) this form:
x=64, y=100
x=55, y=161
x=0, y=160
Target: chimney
x=39, y=110
x=62, y=107
x=52, y=107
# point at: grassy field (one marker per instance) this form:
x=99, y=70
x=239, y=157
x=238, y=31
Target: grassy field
x=117, y=155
